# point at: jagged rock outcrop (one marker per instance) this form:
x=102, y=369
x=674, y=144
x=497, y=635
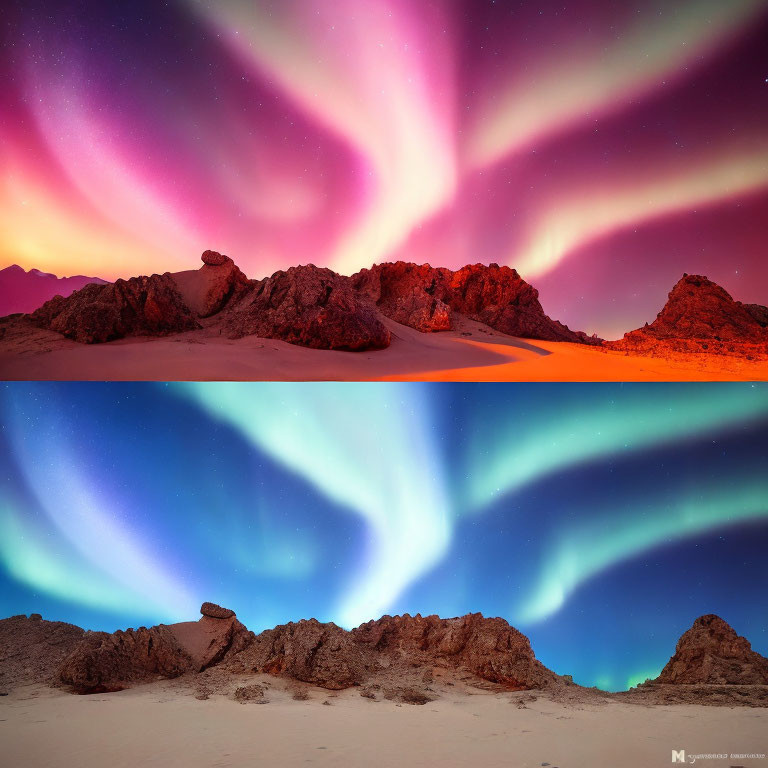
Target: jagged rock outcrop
x=331, y=657
x=31, y=649
x=310, y=306
x=306, y=305
x=423, y=297
x=110, y=662
x=711, y=652
x=216, y=285
x=487, y=647
x=759, y=313
x=308, y=650
x=699, y=316
x=136, y=307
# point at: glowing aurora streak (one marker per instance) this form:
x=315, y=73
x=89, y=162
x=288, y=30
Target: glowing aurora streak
x=586, y=79
x=508, y=455
x=360, y=68
x=593, y=544
x=342, y=133
x=96, y=522
x=30, y=557
x=588, y=215
x=366, y=447
x=95, y=526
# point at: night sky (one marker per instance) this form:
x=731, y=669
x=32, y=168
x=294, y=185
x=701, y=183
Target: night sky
x=601, y=520
x=602, y=148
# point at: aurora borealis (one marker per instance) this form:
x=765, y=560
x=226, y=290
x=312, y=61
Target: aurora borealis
x=610, y=515
x=603, y=149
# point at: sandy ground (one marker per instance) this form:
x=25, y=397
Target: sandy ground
x=471, y=352
x=155, y=726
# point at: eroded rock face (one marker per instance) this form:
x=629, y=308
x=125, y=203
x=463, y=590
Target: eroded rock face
x=699, y=316
x=711, y=652
x=208, y=640
x=322, y=654
x=406, y=294
x=110, y=662
x=310, y=306
x=140, y=306
x=423, y=297
x=216, y=285
x=31, y=649
x=488, y=647
x=758, y=312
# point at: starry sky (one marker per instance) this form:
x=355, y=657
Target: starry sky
x=601, y=520
x=602, y=148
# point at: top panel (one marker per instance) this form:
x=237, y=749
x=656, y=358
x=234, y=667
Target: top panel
x=489, y=190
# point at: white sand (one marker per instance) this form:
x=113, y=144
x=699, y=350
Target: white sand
x=156, y=726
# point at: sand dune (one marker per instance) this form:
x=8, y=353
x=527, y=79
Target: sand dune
x=470, y=352
x=156, y=725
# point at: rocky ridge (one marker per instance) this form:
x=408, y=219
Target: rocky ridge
x=700, y=317
x=424, y=298
x=396, y=657
x=315, y=307
x=306, y=305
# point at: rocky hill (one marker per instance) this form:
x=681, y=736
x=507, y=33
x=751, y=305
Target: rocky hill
x=711, y=652
x=700, y=316
x=304, y=305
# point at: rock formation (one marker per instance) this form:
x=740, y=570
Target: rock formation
x=711, y=652
x=305, y=305
x=110, y=662
x=140, y=306
x=216, y=611
x=423, y=297
x=487, y=647
x=309, y=306
x=323, y=654
x=699, y=316
x=395, y=657
x=32, y=650
x=217, y=284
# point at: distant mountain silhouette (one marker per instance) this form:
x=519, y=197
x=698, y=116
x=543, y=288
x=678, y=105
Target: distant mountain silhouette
x=22, y=291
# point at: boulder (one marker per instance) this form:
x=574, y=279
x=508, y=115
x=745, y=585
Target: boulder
x=110, y=662
x=140, y=306
x=214, y=258
x=309, y=306
x=216, y=611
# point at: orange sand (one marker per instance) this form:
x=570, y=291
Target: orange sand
x=471, y=352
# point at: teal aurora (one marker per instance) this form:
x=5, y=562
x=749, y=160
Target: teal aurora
x=598, y=519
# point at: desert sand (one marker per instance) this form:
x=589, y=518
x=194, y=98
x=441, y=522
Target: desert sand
x=158, y=725
x=470, y=352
